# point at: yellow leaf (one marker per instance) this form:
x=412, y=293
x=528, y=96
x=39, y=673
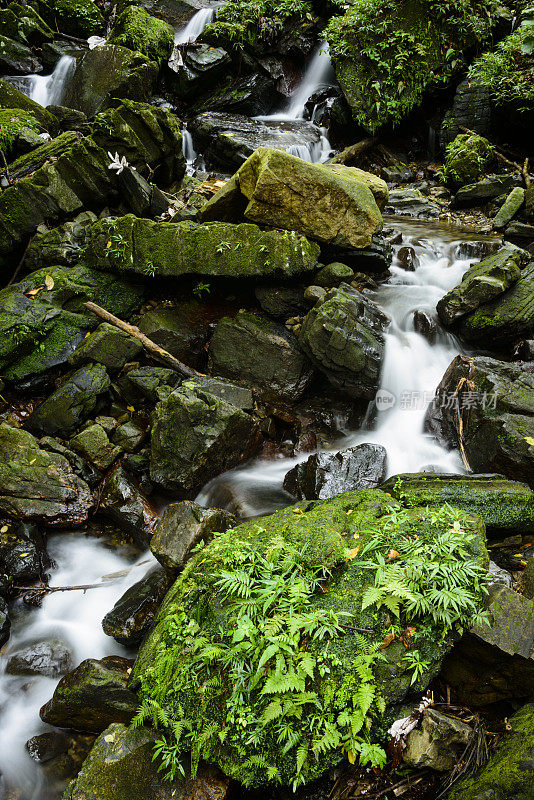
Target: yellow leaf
x=352, y=553
x=130, y=408
x=4, y=529
x=34, y=292
x=350, y=511
x=108, y=245
x=298, y=511
x=22, y=555
x=49, y=282
x=529, y=440
x=351, y=756
x=109, y=738
x=33, y=460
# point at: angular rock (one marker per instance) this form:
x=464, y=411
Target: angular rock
x=130, y=435
x=508, y=317
x=262, y=354
x=133, y=615
x=92, y=696
x=23, y=557
x=509, y=773
x=16, y=58
x=481, y=283
x=183, y=526
x=5, y=623
x=94, y=445
x=438, y=743
x=107, y=345
x=281, y=302
x=121, y=501
x=120, y=767
x=410, y=202
x=509, y=208
x=62, y=245
x=182, y=330
x=203, y=68
x=172, y=249
x=72, y=403
x=39, y=486
x=196, y=436
x=235, y=395
x=344, y=338
x=487, y=189
x=496, y=401
x=147, y=380
x=108, y=73
x=520, y=234
x=251, y=95
x=11, y=97
x=326, y=474
x=50, y=658
x=505, y=506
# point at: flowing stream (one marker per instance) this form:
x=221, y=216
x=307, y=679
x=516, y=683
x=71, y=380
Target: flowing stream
x=48, y=90
x=75, y=619
x=412, y=368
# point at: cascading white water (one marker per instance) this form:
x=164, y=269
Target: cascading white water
x=194, y=27
x=50, y=90
x=75, y=619
x=412, y=368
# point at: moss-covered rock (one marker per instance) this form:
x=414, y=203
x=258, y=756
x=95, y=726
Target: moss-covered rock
x=133, y=615
x=39, y=486
x=76, y=17
x=170, y=249
x=12, y=122
x=466, y=158
x=59, y=246
x=12, y=98
x=16, y=58
x=196, y=436
x=482, y=282
x=94, y=445
x=509, y=208
x=108, y=73
x=108, y=345
x=333, y=534
x=123, y=503
x=136, y=29
x=24, y=24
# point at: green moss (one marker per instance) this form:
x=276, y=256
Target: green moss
x=466, y=158
x=75, y=17
x=12, y=121
x=509, y=70
x=241, y=22
x=136, y=29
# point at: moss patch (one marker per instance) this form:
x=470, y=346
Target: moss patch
x=136, y=29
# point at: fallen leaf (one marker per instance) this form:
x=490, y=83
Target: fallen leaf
x=130, y=408
x=387, y=641
x=109, y=738
x=298, y=511
x=49, y=282
x=4, y=528
x=34, y=292
x=352, y=553
x=393, y=554
x=529, y=440
x=23, y=555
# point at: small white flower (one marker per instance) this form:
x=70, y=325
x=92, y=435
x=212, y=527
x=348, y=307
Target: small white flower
x=117, y=163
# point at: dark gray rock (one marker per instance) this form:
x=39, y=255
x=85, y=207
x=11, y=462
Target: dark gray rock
x=326, y=474
x=437, y=743
x=147, y=380
x=51, y=659
x=62, y=245
x=5, y=623
x=424, y=324
x=130, y=435
x=281, y=302
x=94, y=445
x=23, y=556
x=411, y=202
x=182, y=526
x=107, y=345
x=133, y=615
x=474, y=194
x=122, y=502
x=182, y=329
x=471, y=108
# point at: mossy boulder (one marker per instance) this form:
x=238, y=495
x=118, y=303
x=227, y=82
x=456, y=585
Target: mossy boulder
x=482, y=282
x=196, y=436
x=509, y=208
x=136, y=29
x=61, y=246
x=41, y=325
x=334, y=534
x=24, y=24
x=107, y=345
x=37, y=485
x=506, y=506
x=16, y=58
x=12, y=98
x=344, y=337
x=171, y=249
x=466, y=158
x=510, y=770
x=107, y=73
x=12, y=122
x=120, y=767
x=93, y=444
x=81, y=18
x=260, y=353
x=329, y=204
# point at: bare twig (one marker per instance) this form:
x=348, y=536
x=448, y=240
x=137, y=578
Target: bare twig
x=21, y=262
x=148, y=344
x=51, y=589
x=525, y=173
x=4, y=161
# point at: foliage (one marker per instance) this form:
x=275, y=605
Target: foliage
x=251, y=669
x=12, y=121
x=242, y=21
x=392, y=51
x=140, y=31
x=509, y=69
x=466, y=158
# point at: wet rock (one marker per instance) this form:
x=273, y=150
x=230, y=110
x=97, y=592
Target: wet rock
x=495, y=661
x=520, y=234
x=466, y=158
x=238, y=396
x=181, y=330
x=61, y=245
x=70, y=119
x=477, y=249
x=506, y=506
x=72, y=403
x=344, y=338
x=5, y=623
x=498, y=415
x=482, y=283
x=313, y=295
x=250, y=95
x=37, y=485
x=509, y=208
x=171, y=249
x=139, y=196
x=133, y=615
x=46, y=746
x=107, y=345
x=438, y=743
x=130, y=435
x=147, y=380
x=196, y=436
x=11, y=97
x=509, y=773
x=261, y=354
x=24, y=24
x=499, y=575
x=376, y=258
x=122, y=502
x=281, y=302
x=107, y=73
x=120, y=766
x=410, y=202
x=472, y=109
x=16, y=58
x=183, y=526
x=481, y=192
x=407, y=259
x=23, y=556
x=93, y=444
x=203, y=69
x=79, y=465
x=333, y=275
x=424, y=324
x=51, y=659
x=92, y=696
x=327, y=474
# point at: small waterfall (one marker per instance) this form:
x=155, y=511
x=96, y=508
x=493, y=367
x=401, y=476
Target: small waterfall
x=192, y=159
x=315, y=152
x=318, y=74
x=194, y=27
x=48, y=90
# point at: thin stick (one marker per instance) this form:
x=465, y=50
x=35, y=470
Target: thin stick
x=51, y=589
x=4, y=160
x=19, y=265
x=148, y=344
x=526, y=176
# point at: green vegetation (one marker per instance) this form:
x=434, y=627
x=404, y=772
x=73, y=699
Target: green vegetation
x=241, y=21
x=76, y=17
x=12, y=121
x=267, y=656
x=509, y=69
x=136, y=29
x=387, y=53
x=466, y=158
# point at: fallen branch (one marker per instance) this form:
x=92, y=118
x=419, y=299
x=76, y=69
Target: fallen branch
x=19, y=265
x=148, y=344
x=51, y=589
x=525, y=173
x=352, y=152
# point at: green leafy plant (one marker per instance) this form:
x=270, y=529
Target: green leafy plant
x=509, y=69
x=245, y=21
x=200, y=288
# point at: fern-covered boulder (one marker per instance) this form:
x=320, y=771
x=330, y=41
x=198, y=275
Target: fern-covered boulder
x=285, y=640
